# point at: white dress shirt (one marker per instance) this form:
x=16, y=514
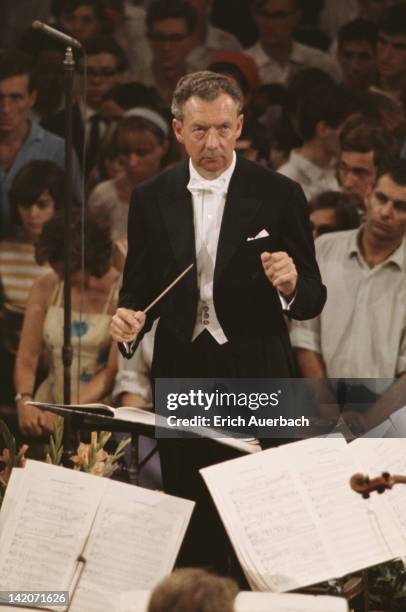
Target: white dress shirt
x=312, y=178
x=301, y=57
x=208, y=199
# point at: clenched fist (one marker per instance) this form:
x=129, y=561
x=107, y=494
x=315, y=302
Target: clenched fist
x=281, y=272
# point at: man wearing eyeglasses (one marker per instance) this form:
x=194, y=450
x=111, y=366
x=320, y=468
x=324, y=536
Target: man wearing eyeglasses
x=170, y=26
x=277, y=55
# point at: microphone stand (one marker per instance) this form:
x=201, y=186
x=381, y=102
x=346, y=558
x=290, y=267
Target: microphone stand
x=69, y=436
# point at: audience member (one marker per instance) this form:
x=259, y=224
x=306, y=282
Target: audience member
x=364, y=147
x=47, y=74
x=21, y=138
x=207, y=39
x=361, y=332
x=333, y=211
x=193, y=590
x=283, y=127
x=133, y=388
x=356, y=54
x=171, y=25
x=94, y=297
x=241, y=68
x=105, y=66
x=141, y=141
x=277, y=55
x=391, y=52
x=82, y=19
x=321, y=116
x=128, y=95
x=126, y=24
x=35, y=194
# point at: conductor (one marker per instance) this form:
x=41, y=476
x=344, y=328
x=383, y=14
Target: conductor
x=246, y=229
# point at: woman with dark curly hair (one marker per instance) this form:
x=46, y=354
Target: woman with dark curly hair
x=35, y=195
x=94, y=362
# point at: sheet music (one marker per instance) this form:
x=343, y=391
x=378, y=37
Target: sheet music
x=269, y=522
x=292, y=517
x=15, y=483
x=134, y=543
x=322, y=469
x=134, y=601
x=48, y=527
x=137, y=601
x=386, y=455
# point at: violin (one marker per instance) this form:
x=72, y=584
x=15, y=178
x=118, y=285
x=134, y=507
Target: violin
x=364, y=485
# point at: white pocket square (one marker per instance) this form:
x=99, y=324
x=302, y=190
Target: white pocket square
x=262, y=234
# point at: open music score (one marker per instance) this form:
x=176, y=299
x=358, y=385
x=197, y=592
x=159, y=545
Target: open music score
x=364, y=485
x=294, y=521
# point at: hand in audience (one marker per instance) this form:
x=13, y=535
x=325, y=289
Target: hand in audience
x=33, y=421
x=126, y=324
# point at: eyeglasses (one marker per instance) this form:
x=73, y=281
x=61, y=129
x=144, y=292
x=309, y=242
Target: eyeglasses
x=276, y=16
x=102, y=73
x=160, y=37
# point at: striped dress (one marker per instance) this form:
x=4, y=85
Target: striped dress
x=18, y=271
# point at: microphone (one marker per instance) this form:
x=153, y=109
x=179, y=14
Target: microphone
x=63, y=38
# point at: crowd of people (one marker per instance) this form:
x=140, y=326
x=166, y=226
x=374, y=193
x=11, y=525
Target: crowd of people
x=323, y=97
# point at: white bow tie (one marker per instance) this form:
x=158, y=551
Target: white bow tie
x=217, y=185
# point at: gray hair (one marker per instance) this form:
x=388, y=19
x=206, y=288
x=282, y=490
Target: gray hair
x=207, y=86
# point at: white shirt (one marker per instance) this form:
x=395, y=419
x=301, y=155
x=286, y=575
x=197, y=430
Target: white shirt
x=313, y=179
x=361, y=332
x=301, y=57
x=208, y=208
x=134, y=376
x=216, y=40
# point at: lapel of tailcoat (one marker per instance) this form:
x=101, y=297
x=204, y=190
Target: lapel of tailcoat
x=239, y=210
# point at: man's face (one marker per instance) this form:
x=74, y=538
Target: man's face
x=102, y=76
x=16, y=100
x=358, y=63
x=357, y=172
x=82, y=23
x=170, y=42
x=391, y=53
x=209, y=131
x=276, y=21
x=386, y=211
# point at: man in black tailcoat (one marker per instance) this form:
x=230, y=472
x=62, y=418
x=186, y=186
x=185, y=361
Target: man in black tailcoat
x=246, y=229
